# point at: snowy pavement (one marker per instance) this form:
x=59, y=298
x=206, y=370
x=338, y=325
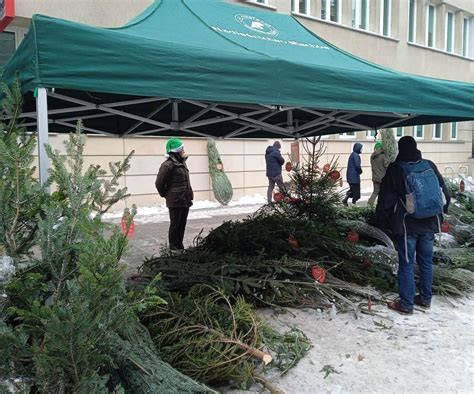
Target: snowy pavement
x=428, y=352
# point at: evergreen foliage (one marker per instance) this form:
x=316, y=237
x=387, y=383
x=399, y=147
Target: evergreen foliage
x=220, y=181
x=313, y=184
x=21, y=196
x=218, y=339
x=68, y=323
x=390, y=145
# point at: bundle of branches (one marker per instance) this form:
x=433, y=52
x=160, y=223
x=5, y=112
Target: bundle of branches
x=355, y=212
x=262, y=280
x=390, y=145
x=218, y=339
x=452, y=282
x=67, y=321
x=455, y=258
x=220, y=181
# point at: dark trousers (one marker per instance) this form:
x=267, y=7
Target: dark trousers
x=178, y=219
x=354, y=192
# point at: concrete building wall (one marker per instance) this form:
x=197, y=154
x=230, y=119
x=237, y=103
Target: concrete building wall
x=243, y=159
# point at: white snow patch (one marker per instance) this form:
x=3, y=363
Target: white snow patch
x=200, y=210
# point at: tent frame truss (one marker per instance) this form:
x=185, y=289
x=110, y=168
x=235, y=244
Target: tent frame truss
x=257, y=117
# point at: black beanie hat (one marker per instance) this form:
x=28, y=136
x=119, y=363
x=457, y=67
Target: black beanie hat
x=407, y=150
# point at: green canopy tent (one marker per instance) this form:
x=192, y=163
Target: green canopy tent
x=210, y=68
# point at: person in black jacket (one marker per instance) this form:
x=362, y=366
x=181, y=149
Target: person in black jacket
x=274, y=160
x=172, y=183
x=414, y=238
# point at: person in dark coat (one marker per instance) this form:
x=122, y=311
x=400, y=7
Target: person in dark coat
x=414, y=238
x=354, y=169
x=172, y=183
x=274, y=160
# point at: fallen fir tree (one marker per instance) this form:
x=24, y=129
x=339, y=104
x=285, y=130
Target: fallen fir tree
x=219, y=339
x=67, y=323
x=272, y=258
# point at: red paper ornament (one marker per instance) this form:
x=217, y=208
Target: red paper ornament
x=326, y=167
x=293, y=242
x=131, y=229
x=278, y=197
x=318, y=273
x=335, y=175
x=353, y=237
x=462, y=186
x=288, y=166
x=445, y=227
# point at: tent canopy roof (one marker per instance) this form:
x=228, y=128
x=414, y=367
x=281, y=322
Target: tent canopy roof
x=206, y=67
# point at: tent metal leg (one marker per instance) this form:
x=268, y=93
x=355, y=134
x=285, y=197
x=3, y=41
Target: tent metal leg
x=42, y=117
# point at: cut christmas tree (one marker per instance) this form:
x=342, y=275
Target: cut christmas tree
x=220, y=181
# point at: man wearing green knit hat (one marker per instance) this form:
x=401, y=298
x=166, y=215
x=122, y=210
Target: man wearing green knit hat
x=174, y=145
x=172, y=183
x=377, y=162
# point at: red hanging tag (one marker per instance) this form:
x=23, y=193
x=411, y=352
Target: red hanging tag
x=278, y=197
x=462, y=186
x=353, y=237
x=131, y=229
x=445, y=227
x=293, y=242
x=318, y=273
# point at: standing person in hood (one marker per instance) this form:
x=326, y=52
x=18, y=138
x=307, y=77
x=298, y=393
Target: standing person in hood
x=172, y=183
x=377, y=162
x=354, y=170
x=274, y=160
x=411, y=204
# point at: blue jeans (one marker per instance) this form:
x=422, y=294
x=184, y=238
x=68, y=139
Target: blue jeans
x=421, y=247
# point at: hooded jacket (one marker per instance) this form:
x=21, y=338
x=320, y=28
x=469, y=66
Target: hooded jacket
x=390, y=212
x=274, y=160
x=354, y=168
x=172, y=182
x=377, y=162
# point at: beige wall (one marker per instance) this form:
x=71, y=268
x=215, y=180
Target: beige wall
x=244, y=159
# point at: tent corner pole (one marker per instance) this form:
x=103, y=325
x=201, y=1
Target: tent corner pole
x=42, y=118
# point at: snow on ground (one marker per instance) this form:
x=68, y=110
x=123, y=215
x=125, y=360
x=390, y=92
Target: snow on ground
x=199, y=210
x=429, y=352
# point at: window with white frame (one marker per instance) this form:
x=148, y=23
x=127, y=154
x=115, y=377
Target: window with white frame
x=301, y=6
x=449, y=36
x=360, y=14
x=454, y=131
x=412, y=21
x=370, y=134
x=419, y=132
x=331, y=10
x=465, y=36
x=349, y=134
x=437, y=131
x=386, y=18
x=430, y=25
x=399, y=132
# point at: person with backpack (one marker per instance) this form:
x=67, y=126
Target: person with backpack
x=412, y=199
x=379, y=167
x=274, y=160
x=172, y=183
x=354, y=169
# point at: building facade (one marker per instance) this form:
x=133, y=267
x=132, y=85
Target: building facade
x=433, y=38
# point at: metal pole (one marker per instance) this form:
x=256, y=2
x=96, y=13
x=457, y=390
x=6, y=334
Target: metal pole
x=42, y=117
